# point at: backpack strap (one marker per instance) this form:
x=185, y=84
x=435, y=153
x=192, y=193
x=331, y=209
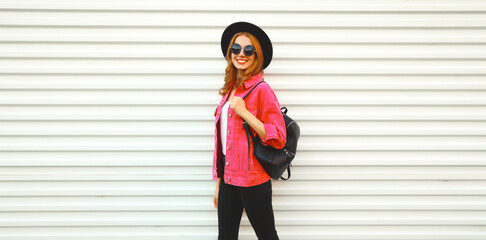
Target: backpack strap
x=288, y=173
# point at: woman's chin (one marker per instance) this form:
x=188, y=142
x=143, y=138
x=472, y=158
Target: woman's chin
x=241, y=67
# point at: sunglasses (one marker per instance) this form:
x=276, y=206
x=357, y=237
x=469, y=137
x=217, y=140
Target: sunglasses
x=249, y=49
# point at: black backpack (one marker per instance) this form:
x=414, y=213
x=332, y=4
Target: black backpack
x=275, y=161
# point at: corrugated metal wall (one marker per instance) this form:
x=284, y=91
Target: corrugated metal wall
x=106, y=118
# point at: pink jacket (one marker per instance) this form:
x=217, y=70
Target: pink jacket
x=263, y=104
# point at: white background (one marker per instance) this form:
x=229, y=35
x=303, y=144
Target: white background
x=106, y=118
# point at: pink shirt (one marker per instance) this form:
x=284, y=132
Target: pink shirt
x=241, y=169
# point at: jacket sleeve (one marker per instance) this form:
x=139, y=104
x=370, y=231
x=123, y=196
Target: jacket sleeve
x=272, y=118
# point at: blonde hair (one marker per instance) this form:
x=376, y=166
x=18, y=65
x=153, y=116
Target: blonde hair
x=238, y=77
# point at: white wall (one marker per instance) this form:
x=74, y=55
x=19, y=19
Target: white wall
x=106, y=118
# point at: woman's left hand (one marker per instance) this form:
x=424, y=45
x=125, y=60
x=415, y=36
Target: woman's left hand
x=238, y=105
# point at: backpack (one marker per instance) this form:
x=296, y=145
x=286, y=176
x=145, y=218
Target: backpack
x=275, y=161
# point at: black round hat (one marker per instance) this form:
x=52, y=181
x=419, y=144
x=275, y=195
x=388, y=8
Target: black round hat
x=256, y=31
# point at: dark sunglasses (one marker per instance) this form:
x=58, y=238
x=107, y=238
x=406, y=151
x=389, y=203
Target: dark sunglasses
x=249, y=49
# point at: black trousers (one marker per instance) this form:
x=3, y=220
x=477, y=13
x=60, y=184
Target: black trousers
x=257, y=202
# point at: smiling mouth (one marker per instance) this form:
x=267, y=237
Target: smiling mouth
x=241, y=61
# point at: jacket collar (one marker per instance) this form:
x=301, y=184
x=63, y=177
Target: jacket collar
x=253, y=80
x=246, y=84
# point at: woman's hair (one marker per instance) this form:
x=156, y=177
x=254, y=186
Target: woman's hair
x=231, y=74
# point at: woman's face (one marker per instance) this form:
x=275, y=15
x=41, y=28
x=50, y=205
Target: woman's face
x=240, y=60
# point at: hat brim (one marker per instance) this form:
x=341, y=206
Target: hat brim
x=256, y=31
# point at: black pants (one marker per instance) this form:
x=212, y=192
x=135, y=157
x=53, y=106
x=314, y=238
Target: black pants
x=257, y=202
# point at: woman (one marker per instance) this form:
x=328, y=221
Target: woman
x=241, y=182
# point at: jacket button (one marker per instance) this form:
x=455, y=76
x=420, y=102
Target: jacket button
x=229, y=132
x=227, y=148
x=230, y=115
x=227, y=163
x=229, y=179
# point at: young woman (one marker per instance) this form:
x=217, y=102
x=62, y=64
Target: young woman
x=241, y=182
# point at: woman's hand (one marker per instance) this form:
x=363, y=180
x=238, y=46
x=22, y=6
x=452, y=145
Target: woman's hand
x=238, y=106
x=216, y=193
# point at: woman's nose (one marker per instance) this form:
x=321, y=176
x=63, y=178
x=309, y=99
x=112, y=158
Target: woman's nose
x=241, y=54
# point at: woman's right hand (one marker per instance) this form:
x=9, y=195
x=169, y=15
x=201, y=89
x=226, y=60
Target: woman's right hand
x=216, y=193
